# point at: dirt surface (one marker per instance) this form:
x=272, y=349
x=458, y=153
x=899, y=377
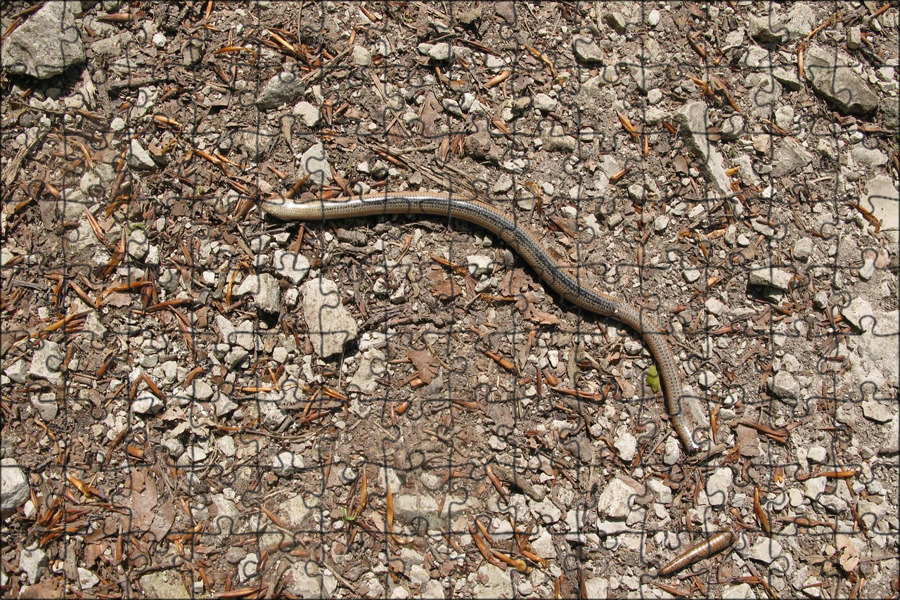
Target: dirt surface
x=200, y=401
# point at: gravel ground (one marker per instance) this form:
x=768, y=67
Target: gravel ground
x=200, y=401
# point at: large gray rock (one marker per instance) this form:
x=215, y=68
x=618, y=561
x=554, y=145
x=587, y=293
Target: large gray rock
x=329, y=322
x=694, y=121
x=282, y=88
x=46, y=44
x=779, y=28
x=14, y=491
x=883, y=201
x=831, y=76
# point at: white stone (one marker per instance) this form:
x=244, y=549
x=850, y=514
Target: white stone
x=876, y=411
x=290, y=265
x=14, y=489
x=614, y=501
x=47, y=362
x=33, y=561
x=287, y=463
x=626, y=444
x=329, y=322
x=771, y=277
x=718, y=485
x=766, y=550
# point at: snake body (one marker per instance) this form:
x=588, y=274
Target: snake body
x=523, y=242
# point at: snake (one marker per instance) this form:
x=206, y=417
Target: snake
x=525, y=243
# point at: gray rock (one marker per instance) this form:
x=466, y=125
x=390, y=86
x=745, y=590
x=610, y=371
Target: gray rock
x=555, y=140
x=138, y=244
x=361, y=56
x=876, y=411
x=47, y=43
x=803, y=249
x=617, y=21
x=46, y=405
x=247, y=568
x=784, y=385
x=439, y=52
x=256, y=143
x=469, y=17
x=716, y=306
x=290, y=265
x=87, y=579
x=777, y=29
x=741, y=591
x=282, y=88
x=693, y=117
x=771, y=277
x=614, y=502
x=788, y=78
x=586, y=49
x=878, y=344
x=817, y=454
x=883, y=201
x=164, y=584
x=414, y=510
x=766, y=550
x=718, y=485
x=14, y=489
x=672, y=451
x=869, y=157
x=790, y=156
x=854, y=38
x=139, y=158
x=265, y=291
x=314, y=162
x=859, y=313
x=330, y=324
x=626, y=444
x=200, y=390
x=764, y=94
x=372, y=366
x=33, y=561
x=308, y=113
x=832, y=77
x=47, y=362
x=147, y=404
x=545, y=103
x=479, y=265
x=707, y=379
x=492, y=583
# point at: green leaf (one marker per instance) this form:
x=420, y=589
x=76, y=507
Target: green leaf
x=653, y=378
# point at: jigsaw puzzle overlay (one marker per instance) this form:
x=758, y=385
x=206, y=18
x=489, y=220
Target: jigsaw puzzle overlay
x=205, y=394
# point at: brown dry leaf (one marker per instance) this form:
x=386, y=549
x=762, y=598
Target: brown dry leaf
x=443, y=287
x=431, y=111
x=422, y=361
x=681, y=164
x=163, y=519
x=48, y=588
x=542, y=318
x=849, y=557
x=118, y=300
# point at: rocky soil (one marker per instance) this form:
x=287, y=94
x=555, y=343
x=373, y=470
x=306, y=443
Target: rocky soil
x=200, y=401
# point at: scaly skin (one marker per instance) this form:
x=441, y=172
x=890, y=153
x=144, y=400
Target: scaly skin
x=524, y=242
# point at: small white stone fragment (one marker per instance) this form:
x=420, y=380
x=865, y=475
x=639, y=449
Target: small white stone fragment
x=876, y=411
x=14, y=489
x=287, y=463
x=718, y=485
x=784, y=385
x=803, y=249
x=859, y=314
x=771, y=277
